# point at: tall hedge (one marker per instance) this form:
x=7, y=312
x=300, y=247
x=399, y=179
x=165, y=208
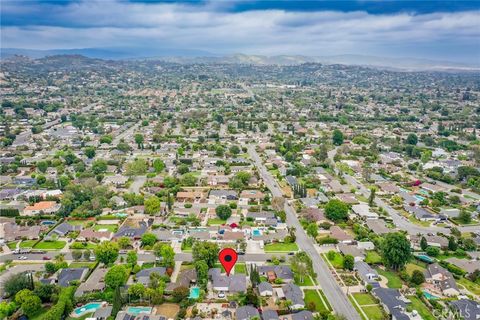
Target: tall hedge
x=63, y=306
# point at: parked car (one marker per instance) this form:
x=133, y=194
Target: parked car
x=46, y=258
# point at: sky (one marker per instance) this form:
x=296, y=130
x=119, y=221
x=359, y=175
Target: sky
x=436, y=30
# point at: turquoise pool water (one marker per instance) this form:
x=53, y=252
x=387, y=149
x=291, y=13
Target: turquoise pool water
x=137, y=310
x=47, y=222
x=89, y=307
x=121, y=215
x=194, y=293
x=256, y=232
x=425, y=258
x=429, y=296
x=419, y=198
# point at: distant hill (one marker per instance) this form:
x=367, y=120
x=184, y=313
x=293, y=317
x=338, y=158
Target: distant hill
x=198, y=56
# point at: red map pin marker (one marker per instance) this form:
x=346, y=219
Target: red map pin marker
x=228, y=258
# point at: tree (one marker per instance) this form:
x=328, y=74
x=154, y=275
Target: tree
x=139, y=139
x=412, y=139
x=180, y=293
x=337, y=137
x=77, y=254
x=417, y=277
x=452, y=244
x=16, y=283
x=99, y=166
x=117, y=302
x=136, y=291
x=152, y=205
x=348, y=262
x=336, y=210
x=423, y=244
x=396, y=250
x=132, y=258
x=465, y=216
x=90, y=152
x=148, y=239
x=158, y=165
x=42, y=166
x=371, y=198
x=124, y=242
x=312, y=230
x=206, y=251
x=166, y=252
x=234, y=150
x=302, y=265
x=137, y=167
x=116, y=276
x=45, y=291
x=432, y=251
x=31, y=305
x=202, y=273
x=107, y=252
x=254, y=276
x=223, y=212
x=183, y=168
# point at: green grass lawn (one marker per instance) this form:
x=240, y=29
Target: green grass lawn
x=394, y=280
x=27, y=243
x=83, y=245
x=470, y=286
x=313, y=296
x=336, y=261
x=412, y=219
x=364, y=298
x=82, y=264
x=352, y=301
x=50, y=245
x=78, y=222
x=281, y=247
x=307, y=281
x=422, y=309
x=241, y=268
x=325, y=299
x=216, y=222
x=372, y=257
x=86, y=316
x=410, y=267
x=374, y=312
x=109, y=227
x=12, y=245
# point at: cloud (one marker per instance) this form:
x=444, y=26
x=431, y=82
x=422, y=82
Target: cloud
x=210, y=27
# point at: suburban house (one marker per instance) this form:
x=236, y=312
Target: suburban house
x=42, y=207
x=273, y=272
x=366, y=273
x=443, y=279
x=420, y=213
x=10, y=231
x=363, y=211
x=293, y=293
x=90, y=234
x=337, y=233
x=66, y=276
x=63, y=229
x=246, y=313
x=393, y=302
x=265, y=289
x=467, y=309
x=143, y=276
x=223, y=195
x=252, y=195
x=228, y=284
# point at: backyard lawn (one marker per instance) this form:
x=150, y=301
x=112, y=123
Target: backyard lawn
x=313, y=296
x=336, y=261
x=394, y=280
x=422, y=309
x=364, y=298
x=109, y=227
x=27, y=243
x=373, y=257
x=281, y=247
x=241, y=268
x=215, y=222
x=50, y=245
x=307, y=281
x=374, y=312
x=470, y=286
x=410, y=267
x=83, y=245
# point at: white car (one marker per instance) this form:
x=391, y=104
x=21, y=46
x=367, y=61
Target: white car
x=221, y=294
x=23, y=258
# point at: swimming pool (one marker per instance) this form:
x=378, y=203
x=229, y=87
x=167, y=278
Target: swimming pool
x=256, y=232
x=88, y=308
x=419, y=198
x=47, y=222
x=137, y=310
x=425, y=258
x=120, y=215
x=430, y=296
x=194, y=293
